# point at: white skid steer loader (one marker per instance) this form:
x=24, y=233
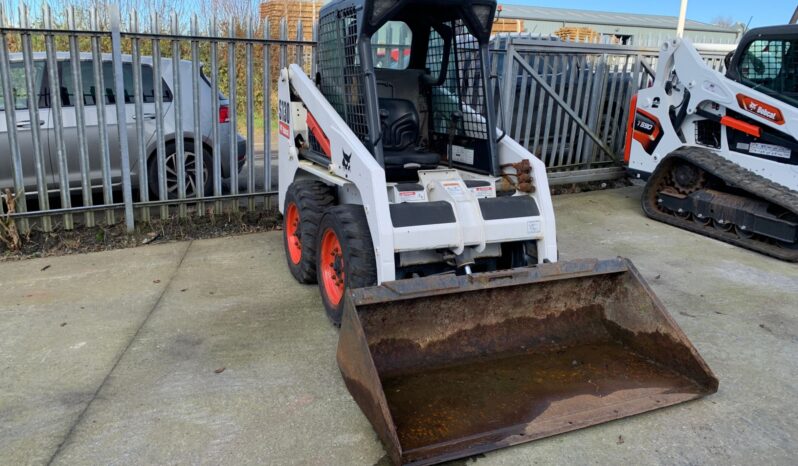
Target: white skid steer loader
x=432, y=238
x=720, y=152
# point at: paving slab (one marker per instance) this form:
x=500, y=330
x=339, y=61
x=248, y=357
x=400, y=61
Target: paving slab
x=229, y=361
x=236, y=365
x=64, y=323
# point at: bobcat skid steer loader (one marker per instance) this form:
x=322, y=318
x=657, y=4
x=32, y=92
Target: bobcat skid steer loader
x=431, y=236
x=720, y=152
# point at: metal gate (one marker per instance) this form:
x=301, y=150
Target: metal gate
x=567, y=102
x=65, y=159
x=197, y=113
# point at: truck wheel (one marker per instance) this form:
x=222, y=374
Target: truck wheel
x=345, y=256
x=305, y=202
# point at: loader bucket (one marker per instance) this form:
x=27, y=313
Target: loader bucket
x=451, y=366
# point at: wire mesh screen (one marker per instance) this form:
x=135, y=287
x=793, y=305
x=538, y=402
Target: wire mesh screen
x=338, y=63
x=772, y=65
x=462, y=90
x=707, y=133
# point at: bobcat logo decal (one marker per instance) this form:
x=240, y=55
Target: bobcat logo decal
x=347, y=161
x=760, y=109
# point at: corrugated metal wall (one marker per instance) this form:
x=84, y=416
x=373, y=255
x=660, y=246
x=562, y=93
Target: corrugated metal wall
x=640, y=36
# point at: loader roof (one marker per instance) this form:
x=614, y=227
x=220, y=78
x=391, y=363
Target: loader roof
x=773, y=31
x=373, y=14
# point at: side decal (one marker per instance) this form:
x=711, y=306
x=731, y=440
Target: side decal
x=760, y=109
x=284, y=116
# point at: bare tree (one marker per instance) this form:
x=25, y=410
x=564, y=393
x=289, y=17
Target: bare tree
x=230, y=11
x=11, y=10
x=725, y=21
x=85, y=8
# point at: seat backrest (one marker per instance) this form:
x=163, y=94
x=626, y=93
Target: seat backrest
x=400, y=124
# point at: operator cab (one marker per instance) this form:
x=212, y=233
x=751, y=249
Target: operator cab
x=409, y=79
x=767, y=60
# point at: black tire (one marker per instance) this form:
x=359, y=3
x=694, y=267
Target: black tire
x=170, y=158
x=311, y=199
x=348, y=223
x=518, y=254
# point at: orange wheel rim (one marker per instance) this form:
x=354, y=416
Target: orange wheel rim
x=291, y=228
x=332, y=267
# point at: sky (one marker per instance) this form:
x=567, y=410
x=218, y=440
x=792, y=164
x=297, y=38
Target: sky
x=758, y=12
x=764, y=12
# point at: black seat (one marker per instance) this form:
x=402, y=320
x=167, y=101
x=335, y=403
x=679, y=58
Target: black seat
x=400, y=126
x=400, y=137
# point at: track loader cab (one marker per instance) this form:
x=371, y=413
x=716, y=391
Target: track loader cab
x=412, y=86
x=720, y=152
x=432, y=239
x=767, y=58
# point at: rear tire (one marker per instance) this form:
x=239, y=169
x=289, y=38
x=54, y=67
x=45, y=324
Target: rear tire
x=305, y=202
x=345, y=256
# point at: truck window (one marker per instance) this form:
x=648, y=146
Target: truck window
x=90, y=93
x=771, y=66
x=391, y=46
x=19, y=87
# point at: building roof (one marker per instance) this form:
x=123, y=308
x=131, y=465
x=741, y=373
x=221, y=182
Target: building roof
x=604, y=17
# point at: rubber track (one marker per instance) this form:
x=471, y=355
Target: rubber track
x=734, y=176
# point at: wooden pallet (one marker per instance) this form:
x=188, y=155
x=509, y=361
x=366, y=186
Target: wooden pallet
x=508, y=25
x=578, y=34
x=293, y=11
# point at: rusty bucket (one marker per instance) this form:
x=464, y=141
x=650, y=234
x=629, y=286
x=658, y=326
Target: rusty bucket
x=451, y=366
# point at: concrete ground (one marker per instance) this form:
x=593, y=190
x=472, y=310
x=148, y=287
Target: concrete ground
x=208, y=352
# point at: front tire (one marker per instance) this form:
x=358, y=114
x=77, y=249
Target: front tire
x=305, y=202
x=345, y=256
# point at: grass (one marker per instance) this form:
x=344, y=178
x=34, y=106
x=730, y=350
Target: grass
x=258, y=127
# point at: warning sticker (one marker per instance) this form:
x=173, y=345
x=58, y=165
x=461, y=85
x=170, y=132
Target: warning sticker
x=412, y=196
x=483, y=191
x=770, y=150
x=285, y=131
x=454, y=189
x=462, y=154
x=284, y=115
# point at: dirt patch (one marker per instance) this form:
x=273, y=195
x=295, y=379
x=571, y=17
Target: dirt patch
x=107, y=237
x=590, y=186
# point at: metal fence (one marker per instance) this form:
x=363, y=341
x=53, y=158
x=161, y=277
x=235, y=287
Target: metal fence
x=567, y=102
x=197, y=113
x=198, y=110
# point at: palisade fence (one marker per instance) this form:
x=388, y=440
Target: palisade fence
x=65, y=159
x=568, y=102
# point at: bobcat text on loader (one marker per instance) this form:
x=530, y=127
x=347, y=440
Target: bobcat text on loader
x=720, y=151
x=432, y=238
